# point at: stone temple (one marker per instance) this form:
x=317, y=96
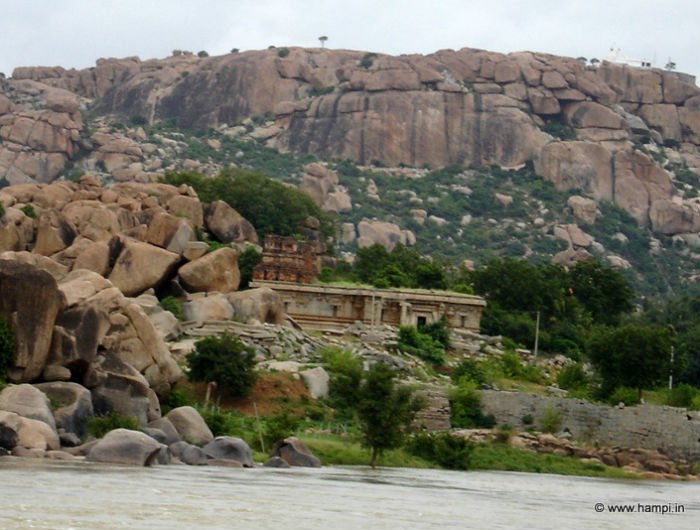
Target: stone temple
x=291, y=267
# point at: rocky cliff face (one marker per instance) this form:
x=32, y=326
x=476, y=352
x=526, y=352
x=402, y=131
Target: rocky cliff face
x=465, y=107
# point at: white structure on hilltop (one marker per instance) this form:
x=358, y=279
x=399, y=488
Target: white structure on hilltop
x=615, y=56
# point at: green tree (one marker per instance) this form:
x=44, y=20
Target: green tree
x=602, y=291
x=247, y=261
x=412, y=340
x=402, y=267
x=224, y=360
x=385, y=410
x=635, y=356
x=346, y=375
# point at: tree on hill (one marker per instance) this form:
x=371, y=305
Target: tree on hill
x=271, y=206
x=634, y=356
x=385, y=410
x=602, y=291
x=402, y=267
x=223, y=360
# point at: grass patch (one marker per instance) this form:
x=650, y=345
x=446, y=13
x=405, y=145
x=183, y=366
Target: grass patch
x=503, y=458
x=332, y=450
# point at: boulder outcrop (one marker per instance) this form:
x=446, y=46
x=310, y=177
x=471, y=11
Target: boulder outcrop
x=464, y=106
x=122, y=446
x=295, y=453
x=227, y=225
x=30, y=302
x=230, y=448
x=190, y=425
x=216, y=271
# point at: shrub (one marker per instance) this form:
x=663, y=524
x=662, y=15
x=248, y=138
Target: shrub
x=573, y=377
x=2, y=210
x=422, y=345
x=445, y=449
x=681, y=396
x=202, y=54
x=227, y=423
x=178, y=396
x=247, y=261
x=224, y=360
x=98, y=426
x=514, y=368
x=29, y=211
x=367, y=60
x=471, y=370
x=314, y=92
x=438, y=331
x=504, y=434
x=695, y=404
x=172, y=304
x=465, y=407
x=283, y=52
x=627, y=396
x=280, y=425
x=551, y=420
x=559, y=130
x=7, y=348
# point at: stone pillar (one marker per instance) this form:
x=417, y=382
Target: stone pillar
x=379, y=305
x=405, y=313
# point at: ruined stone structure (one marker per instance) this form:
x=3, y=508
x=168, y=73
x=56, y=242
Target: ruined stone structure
x=287, y=260
x=325, y=306
x=674, y=431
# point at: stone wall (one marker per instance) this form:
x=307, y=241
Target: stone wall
x=672, y=430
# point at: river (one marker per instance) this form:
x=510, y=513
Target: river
x=42, y=494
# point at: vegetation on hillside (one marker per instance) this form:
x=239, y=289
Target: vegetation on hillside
x=223, y=360
x=270, y=206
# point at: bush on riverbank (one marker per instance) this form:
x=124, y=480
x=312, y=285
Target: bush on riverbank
x=99, y=426
x=224, y=360
x=444, y=449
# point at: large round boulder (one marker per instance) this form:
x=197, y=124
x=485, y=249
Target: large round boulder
x=295, y=453
x=28, y=402
x=141, y=266
x=227, y=225
x=118, y=386
x=194, y=456
x=262, y=304
x=190, y=425
x=30, y=301
x=74, y=405
x=216, y=271
x=122, y=446
x=230, y=448
x=166, y=426
x=26, y=433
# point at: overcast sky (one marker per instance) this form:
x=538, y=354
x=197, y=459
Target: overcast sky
x=74, y=33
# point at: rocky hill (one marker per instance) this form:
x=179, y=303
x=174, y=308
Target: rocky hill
x=615, y=134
